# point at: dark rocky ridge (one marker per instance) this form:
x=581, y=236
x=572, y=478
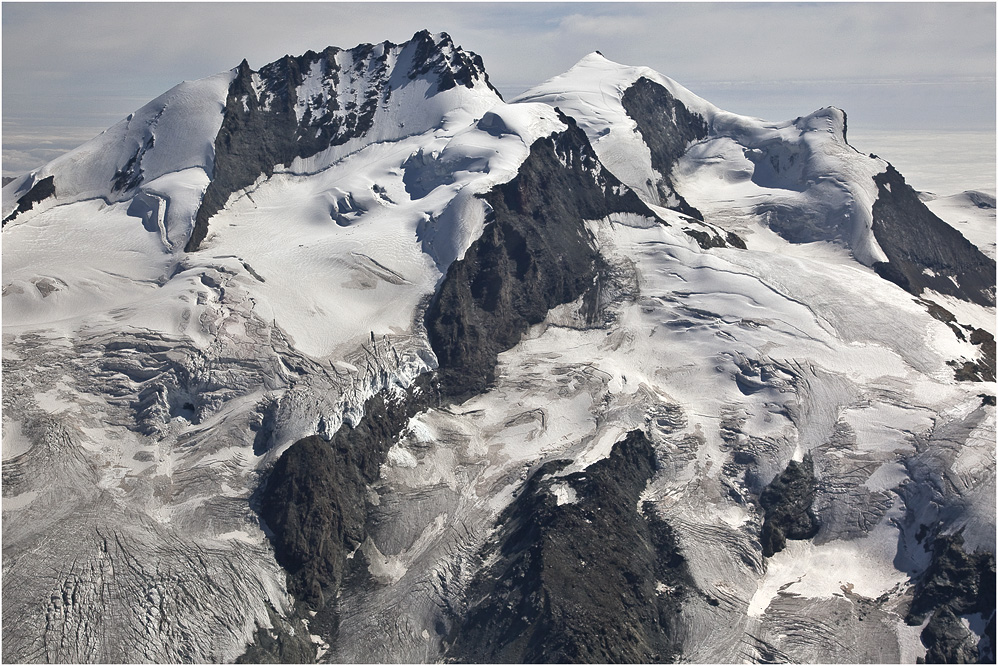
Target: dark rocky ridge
x=589, y=581
x=314, y=501
x=450, y=65
x=534, y=254
x=712, y=237
x=787, y=502
x=40, y=191
x=955, y=584
x=981, y=369
x=914, y=240
x=129, y=176
x=261, y=133
x=667, y=127
x=287, y=642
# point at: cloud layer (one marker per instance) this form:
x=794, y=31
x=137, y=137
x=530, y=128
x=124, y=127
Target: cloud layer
x=74, y=68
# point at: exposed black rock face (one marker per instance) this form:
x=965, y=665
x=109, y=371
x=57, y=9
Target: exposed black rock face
x=314, y=500
x=955, y=578
x=948, y=641
x=734, y=240
x=916, y=241
x=667, y=127
x=712, y=237
x=787, y=501
x=956, y=583
x=981, y=369
x=40, y=191
x=261, y=128
x=260, y=132
x=451, y=65
x=535, y=253
x=129, y=176
x=286, y=643
x=945, y=316
x=591, y=580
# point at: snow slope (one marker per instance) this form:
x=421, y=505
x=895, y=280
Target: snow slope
x=365, y=240
x=770, y=171
x=590, y=92
x=168, y=144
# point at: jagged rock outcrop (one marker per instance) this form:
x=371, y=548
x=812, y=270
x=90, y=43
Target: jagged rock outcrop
x=576, y=572
x=314, y=500
x=297, y=107
x=956, y=584
x=923, y=251
x=39, y=191
x=535, y=253
x=787, y=504
x=286, y=641
x=668, y=128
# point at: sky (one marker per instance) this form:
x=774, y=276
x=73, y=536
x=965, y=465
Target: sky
x=73, y=69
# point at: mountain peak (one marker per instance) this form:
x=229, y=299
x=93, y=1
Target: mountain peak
x=298, y=107
x=436, y=53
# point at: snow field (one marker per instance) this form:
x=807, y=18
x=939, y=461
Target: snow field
x=744, y=163
x=860, y=566
x=52, y=280
x=174, y=132
x=590, y=93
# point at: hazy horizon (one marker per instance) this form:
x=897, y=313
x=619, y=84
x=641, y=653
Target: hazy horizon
x=71, y=70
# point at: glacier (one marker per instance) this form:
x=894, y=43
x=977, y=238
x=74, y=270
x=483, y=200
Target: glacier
x=348, y=359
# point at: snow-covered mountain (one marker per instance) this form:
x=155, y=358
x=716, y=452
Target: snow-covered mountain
x=347, y=359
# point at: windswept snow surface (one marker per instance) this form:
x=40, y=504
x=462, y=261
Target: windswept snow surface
x=590, y=92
